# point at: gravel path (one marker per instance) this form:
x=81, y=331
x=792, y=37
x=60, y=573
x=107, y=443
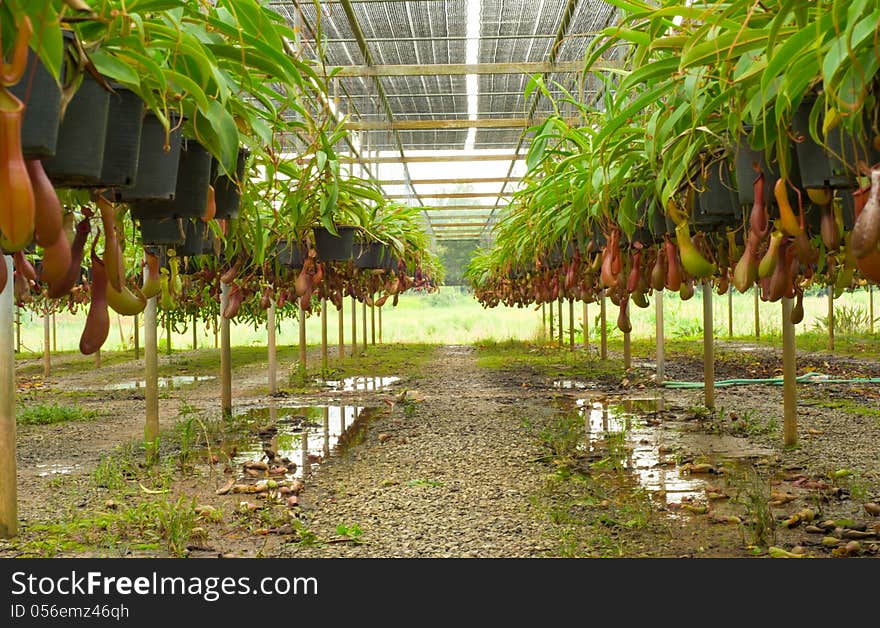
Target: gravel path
x=451, y=479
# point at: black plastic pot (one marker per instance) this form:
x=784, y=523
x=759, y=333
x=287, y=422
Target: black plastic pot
x=190, y=193
x=369, y=254
x=41, y=95
x=123, y=139
x=79, y=152
x=291, y=254
x=157, y=168
x=333, y=248
x=227, y=195
x=199, y=239
x=599, y=241
x=391, y=263
x=167, y=231
x=818, y=168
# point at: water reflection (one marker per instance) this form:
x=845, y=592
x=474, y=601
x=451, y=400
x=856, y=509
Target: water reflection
x=362, y=384
x=171, y=382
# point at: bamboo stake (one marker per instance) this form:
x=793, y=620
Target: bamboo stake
x=586, y=329
x=708, y=347
x=559, y=303
x=603, y=347
x=323, y=337
x=658, y=332
x=789, y=375
x=47, y=360
x=757, y=315
x=831, y=318
x=225, y=355
x=151, y=372
x=354, y=327
x=272, y=348
x=571, y=324
x=373, y=323
x=729, y=312
x=552, y=334
x=8, y=477
x=195, y=333
x=55, y=333
x=544, y=319
x=302, y=344
x=364, y=326
x=137, y=337
x=871, y=306
x=17, y=328
x=98, y=359
x=340, y=319
x=627, y=351
x=380, y=325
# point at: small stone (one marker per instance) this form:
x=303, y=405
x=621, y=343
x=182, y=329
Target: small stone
x=384, y=437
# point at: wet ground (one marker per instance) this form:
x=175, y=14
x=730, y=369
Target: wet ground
x=454, y=459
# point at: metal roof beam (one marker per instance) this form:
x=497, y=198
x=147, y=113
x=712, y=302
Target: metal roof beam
x=430, y=159
x=455, y=38
x=450, y=181
x=417, y=125
x=448, y=195
x=457, y=69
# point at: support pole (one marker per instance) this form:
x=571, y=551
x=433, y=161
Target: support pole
x=47, y=359
x=373, y=323
x=544, y=319
x=831, y=318
x=757, y=315
x=380, y=325
x=586, y=328
x=98, y=359
x=789, y=376
x=195, y=333
x=340, y=319
x=559, y=303
x=708, y=347
x=168, y=333
x=8, y=477
x=137, y=338
x=627, y=352
x=302, y=344
x=730, y=311
x=364, y=326
x=552, y=334
x=225, y=355
x=216, y=328
x=17, y=325
x=151, y=371
x=870, y=306
x=354, y=327
x=323, y=337
x=658, y=333
x=271, y=346
x=571, y=324
x=603, y=347
x=55, y=332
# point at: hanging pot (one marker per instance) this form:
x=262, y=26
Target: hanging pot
x=227, y=195
x=745, y=160
x=818, y=168
x=157, y=168
x=334, y=248
x=291, y=254
x=718, y=199
x=199, y=239
x=167, y=231
x=369, y=254
x=79, y=152
x=41, y=95
x=190, y=192
x=123, y=138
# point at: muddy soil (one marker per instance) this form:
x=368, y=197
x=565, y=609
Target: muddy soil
x=452, y=461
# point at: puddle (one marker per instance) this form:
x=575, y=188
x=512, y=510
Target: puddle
x=569, y=384
x=56, y=469
x=361, y=384
x=305, y=435
x=171, y=383
x=650, y=448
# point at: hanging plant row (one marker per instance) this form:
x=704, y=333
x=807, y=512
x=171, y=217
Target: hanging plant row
x=740, y=145
x=155, y=149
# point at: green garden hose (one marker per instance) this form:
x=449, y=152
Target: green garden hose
x=806, y=378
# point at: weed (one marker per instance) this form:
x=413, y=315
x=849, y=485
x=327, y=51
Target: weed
x=176, y=523
x=751, y=491
x=307, y=538
x=848, y=321
x=563, y=435
x=45, y=414
x=353, y=532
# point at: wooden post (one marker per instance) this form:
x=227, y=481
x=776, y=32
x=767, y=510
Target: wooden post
x=354, y=327
x=586, y=328
x=271, y=346
x=544, y=319
x=552, y=334
x=871, y=306
x=17, y=324
x=627, y=352
x=730, y=311
x=789, y=376
x=571, y=324
x=195, y=333
x=831, y=318
x=302, y=344
x=47, y=360
x=708, y=347
x=151, y=371
x=341, y=334
x=216, y=328
x=137, y=337
x=168, y=333
x=55, y=333
x=603, y=347
x=323, y=337
x=8, y=473
x=659, y=337
x=373, y=322
x=559, y=303
x=380, y=325
x=364, y=325
x=98, y=359
x=225, y=355
x=757, y=315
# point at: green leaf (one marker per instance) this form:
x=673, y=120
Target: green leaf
x=727, y=46
x=112, y=67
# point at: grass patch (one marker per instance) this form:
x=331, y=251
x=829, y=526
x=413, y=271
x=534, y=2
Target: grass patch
x=47, y=414
x=544, y=360
x=849, y=406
